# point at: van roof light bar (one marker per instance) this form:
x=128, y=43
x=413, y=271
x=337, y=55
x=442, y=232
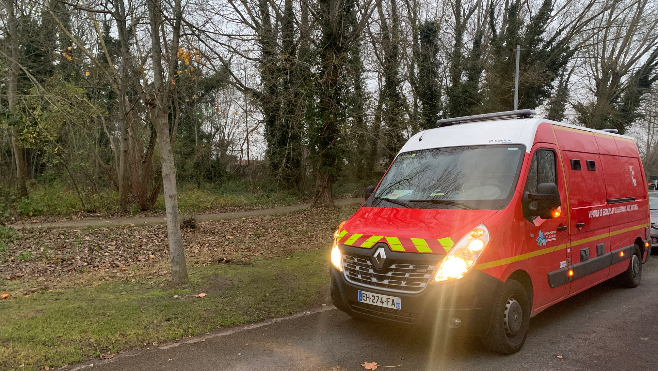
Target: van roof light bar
x=507, y=115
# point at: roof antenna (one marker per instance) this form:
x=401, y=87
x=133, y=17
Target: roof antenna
x=420, y=139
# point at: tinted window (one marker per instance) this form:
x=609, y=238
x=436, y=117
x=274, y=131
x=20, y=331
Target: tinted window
x=542, y=170
x=478, y=177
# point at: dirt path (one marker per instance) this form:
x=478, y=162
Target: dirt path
x=98, y=222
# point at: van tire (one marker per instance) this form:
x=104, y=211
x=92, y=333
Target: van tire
x=507, y=332
x=633, y=275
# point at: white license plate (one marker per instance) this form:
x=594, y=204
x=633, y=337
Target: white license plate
x=385, y=301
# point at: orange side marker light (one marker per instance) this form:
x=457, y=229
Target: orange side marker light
x=570, y=272
x=556, y=213
x=477, y=233
x=621, y=253
x=646, y=244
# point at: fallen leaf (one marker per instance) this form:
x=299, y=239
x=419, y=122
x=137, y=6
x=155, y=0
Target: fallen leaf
x=4, y=295
x=202, y=294
x=560, y=357
x=107, y=356
x=644, y=338
x=370, y=365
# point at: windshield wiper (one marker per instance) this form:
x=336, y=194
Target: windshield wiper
x=445, y=202
x=392, y=200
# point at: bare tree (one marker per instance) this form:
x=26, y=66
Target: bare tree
x=622, y=38
x=159, y=115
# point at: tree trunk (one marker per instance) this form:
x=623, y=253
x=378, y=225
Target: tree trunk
x=161, y=123
x=12, y=95
x=323, y=190
x=123, y=151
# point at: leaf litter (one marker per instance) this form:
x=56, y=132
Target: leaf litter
x=44, y=254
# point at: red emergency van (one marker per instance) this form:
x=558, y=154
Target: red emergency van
x=486, y=221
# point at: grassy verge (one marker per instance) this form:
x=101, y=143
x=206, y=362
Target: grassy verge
x=56, y=200
x=66, y=326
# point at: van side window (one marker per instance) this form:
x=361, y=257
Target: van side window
x=591, y=165
x=542, y=170
x=575, y=164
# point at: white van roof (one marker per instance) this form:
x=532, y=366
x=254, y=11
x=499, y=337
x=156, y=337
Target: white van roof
x=494, y=131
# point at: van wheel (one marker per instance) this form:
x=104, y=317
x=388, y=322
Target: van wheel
x=511, y=319
x=633, y=275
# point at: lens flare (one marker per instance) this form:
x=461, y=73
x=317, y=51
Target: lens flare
x=336, y=259
x=476, y=245
x=452, y=267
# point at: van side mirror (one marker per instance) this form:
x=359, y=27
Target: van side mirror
x=542, y=203
x=369, y=191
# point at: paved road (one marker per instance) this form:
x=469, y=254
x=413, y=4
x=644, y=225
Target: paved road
x=604, y=328
x=99, y=222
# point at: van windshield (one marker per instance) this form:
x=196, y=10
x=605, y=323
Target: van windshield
x=469, y=177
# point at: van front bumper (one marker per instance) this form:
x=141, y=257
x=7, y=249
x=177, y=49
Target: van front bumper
x=465, y=303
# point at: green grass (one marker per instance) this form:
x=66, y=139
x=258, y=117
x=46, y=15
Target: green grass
x=69, y=325
x=58, y=200
x=233, y=194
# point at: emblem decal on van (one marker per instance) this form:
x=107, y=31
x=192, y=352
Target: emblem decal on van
x=632, y=176
x=500, y=141
x=545, y=237
x=541, y=240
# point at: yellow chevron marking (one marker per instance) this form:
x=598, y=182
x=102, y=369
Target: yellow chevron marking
x=354, y=237
x=446, y=243
x=421, y=245
x=342, y=234
x=370, y=242
x=394, y=244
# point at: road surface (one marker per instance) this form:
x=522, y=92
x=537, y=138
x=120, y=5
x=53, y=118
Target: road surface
x=604, y=328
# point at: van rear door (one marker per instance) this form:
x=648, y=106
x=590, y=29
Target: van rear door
x=589, y=220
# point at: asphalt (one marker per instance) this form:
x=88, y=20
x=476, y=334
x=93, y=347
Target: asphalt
x=603, y=328
x=133, y=221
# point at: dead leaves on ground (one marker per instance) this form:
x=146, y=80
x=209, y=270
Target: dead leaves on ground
x=45, y=254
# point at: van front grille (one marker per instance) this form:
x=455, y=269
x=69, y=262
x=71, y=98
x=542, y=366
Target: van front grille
x=401, y=277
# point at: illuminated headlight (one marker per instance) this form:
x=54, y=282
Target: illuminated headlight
x=336, y=258
x=463, y=255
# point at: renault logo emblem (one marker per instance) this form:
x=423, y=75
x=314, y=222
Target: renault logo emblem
x=379, y=257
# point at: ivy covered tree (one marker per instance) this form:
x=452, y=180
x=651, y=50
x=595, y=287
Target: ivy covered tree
x=542, y=58
x=429, y=90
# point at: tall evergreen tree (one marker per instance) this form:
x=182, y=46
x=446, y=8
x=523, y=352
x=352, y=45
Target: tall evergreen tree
x=392, y=97
x=428, y=75
x=540, y=63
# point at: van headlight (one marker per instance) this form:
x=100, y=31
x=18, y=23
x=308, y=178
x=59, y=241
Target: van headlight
x=336, y=258
x=463, y=255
